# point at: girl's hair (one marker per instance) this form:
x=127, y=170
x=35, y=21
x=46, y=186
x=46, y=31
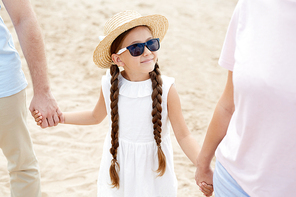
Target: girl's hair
x=156, y=113
x=156, y=116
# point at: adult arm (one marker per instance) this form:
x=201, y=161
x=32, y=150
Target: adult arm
x=216, y=131
x=31, y=41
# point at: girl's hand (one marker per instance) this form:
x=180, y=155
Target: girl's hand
x=207, y=189
x=38, y=117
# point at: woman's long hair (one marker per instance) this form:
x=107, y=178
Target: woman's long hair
x=156, y=114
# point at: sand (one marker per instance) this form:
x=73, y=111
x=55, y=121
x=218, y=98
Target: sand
x=69, y=156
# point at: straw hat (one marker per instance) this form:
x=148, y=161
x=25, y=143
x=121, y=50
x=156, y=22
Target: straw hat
x=120, y=23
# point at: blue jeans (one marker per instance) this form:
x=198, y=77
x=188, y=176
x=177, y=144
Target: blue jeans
x=225, y=185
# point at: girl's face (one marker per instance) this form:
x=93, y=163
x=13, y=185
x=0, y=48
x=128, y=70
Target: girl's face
x=137, y=68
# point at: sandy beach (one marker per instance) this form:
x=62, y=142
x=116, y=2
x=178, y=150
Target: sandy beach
x=69, y=156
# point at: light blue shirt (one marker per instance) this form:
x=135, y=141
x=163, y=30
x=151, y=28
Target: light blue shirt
x=12, y=78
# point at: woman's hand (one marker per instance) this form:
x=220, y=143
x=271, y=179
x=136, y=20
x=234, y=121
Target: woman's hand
x=204, y=179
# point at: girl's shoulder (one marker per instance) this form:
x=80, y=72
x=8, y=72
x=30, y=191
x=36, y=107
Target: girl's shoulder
x=105, y=81
x=167, y=80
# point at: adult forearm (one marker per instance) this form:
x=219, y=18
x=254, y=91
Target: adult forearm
x=31, y=41
x=216, y=131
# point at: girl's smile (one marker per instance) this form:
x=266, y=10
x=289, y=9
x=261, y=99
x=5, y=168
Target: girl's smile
x=147, y=61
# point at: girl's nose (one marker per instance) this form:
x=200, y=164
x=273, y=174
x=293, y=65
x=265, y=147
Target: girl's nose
x=146, y=51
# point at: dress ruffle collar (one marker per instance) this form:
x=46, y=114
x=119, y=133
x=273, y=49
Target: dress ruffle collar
x=133, y=89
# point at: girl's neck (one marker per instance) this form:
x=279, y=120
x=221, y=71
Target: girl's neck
x=134, y=78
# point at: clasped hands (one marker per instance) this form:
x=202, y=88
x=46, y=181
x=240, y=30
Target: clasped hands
x=46, y=105
x=204, y=179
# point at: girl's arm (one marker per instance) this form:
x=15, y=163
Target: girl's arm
x=184, y=137
x=81, y=118
x=216, y=131
x=88, y=117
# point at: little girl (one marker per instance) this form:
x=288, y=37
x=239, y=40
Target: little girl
x=140, y=104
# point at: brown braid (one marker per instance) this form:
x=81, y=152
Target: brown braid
x=156, y=116
x=114, y=93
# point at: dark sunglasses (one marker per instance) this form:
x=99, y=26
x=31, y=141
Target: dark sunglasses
x=138, y=48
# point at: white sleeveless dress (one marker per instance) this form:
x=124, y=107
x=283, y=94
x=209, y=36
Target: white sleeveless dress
x=137, y=151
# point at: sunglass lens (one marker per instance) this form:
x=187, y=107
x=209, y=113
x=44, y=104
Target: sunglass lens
x=136, y=49
x=153, y=45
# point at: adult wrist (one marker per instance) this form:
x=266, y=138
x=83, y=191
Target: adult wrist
x=203, y=163
x=41, y=90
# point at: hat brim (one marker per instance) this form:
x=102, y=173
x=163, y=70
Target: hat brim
x=158, y=25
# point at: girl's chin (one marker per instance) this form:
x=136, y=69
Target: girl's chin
x=150, y=64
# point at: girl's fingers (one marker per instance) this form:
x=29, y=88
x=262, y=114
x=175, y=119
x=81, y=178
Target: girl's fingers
x=206, y=193
x=38, y=119
x=39, y=122
x=37, y=115
x=207, y=189
x=35, y=112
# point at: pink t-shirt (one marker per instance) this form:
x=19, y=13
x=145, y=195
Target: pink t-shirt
x=259, y=149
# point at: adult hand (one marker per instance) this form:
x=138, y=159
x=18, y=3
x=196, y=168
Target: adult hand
x=204, y=179
x=46, y=104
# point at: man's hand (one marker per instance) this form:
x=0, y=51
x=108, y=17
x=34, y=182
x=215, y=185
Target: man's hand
x=46, y=104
